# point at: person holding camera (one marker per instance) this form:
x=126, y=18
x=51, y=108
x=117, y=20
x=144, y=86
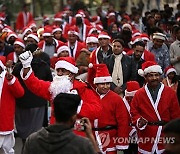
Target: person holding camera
x=112, y=123
x=59, y=137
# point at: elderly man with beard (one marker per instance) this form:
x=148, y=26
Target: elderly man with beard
x=64, y=82
x=152, y=107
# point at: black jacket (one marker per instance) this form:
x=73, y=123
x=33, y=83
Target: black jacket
x=127, y=69
x=42, y=71
x=57, y=139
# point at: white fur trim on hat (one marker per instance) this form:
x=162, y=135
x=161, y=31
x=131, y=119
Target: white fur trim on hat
x=145, y=38
x=150, y=69
x=66, y=65
x=10, y=35
x=130, y=93
x=56, y=29
x=63, y=48
x=19, y=43
x=171, y=70
x=46, y=34
x=91, y=39
x=127, y=25
x=159, y=36
x=79, y=15
x=34, y=37
x=103, y=36
x=57, y=19
x=73, y=32
x=103, y=79
x=26, y=30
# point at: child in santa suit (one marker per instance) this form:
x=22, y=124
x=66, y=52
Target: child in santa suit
x=132, y=87
x=10, y=88
x=111, y=127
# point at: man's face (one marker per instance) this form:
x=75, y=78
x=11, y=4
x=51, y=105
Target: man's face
x=157, y=17
x=158, y=43
x=18, y=49
x=48, y=39
x=30, y=41
x=138, y=51
x=153, y=79
x=92, y=46
x=174, y=146
x=62, y=71
x=72, y=38
x=103, y=88
x=117, y=48
x=103, y=42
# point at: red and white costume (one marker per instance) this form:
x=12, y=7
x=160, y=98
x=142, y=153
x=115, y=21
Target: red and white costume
x=23, y=20
x=77, y=48
x=12, y=56
x=165, y=108
x=113, y=113
x=9, y=90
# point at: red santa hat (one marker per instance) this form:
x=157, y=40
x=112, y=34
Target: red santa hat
x=96, y=19
x=145, y=37
x=19, y=42
x=135, y=39
x=67, y=63
x=47, y=31
x=102, y=73
x=25, y=30
x=81, y=12
x=148, y=67
x=32, y=24
x=2, y=16
x=160, y=36
x=10, y=35
x=7, y=29
x=58, y=17
x=92, y=39
x=45, y=18
x=132, y=87
x=73, y=30
x=61, y=49
x=170, y=69
x=110, y=14
x=103, y=35
x=55, y=29
x=136, y=33
x=2, y=61
x=127, y=26
x=34, y=36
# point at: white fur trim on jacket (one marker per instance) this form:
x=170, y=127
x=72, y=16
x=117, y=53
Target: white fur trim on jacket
x=66, y=65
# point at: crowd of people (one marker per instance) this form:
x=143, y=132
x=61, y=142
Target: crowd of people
x=117, y=75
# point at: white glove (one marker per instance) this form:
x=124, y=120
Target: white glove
x=26, y=59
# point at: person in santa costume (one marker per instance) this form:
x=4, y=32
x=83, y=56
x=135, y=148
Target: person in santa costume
x=171, y=78
x=64, y=81
x=113, y=121
x=10, y=88
x=132, y=87
x=49, y=44
x=152, y=107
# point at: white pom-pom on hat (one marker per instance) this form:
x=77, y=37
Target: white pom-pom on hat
x=90, y=65
x=141, y=72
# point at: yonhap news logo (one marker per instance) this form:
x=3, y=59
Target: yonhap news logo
x=105, y=139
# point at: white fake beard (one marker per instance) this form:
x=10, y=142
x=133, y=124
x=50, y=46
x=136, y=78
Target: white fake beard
x=60, y=84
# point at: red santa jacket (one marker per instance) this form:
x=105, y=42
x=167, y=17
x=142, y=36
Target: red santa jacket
x=9, y=90
x=23, y=20
x=147, y=55
x=114, y=113
x=165, y=108
x=77, y=48
x=12, y=56
x=90, y=106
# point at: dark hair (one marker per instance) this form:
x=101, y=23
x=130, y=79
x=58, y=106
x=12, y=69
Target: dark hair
x=65, y=106
x=139, y=43
x=172, y=127
x=31, y=47
x=177, y=29
x=120, y=41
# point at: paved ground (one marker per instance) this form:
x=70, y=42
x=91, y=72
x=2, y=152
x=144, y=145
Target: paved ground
x=18, y=146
